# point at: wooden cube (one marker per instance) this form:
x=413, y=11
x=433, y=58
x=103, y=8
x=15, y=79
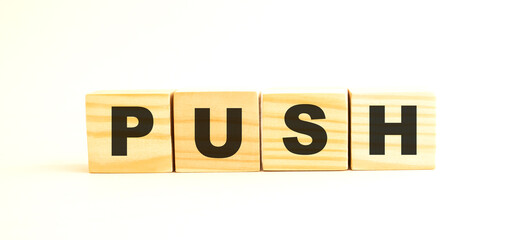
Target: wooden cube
x=305, y=129
x=392, y=130
x=129, y=131
x=216, y=131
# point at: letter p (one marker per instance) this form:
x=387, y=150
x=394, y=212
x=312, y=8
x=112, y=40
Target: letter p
x=120, y=132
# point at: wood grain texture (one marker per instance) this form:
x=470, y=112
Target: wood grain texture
x=150, y=153
x=187, y=156
x=275, y=155
x=361, y=159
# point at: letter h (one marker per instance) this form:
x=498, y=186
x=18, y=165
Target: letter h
x=378, y=129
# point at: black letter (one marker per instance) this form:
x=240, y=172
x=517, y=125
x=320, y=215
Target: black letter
x=316, y=132
x=119, y=130
x=202, y=133
x=378, y=130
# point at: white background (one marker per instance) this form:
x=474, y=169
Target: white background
x=470, y=53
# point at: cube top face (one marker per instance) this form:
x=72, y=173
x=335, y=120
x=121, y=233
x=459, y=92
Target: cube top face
x=142, y=92
x=392, y=131
x=128, y=110
x=216, y=131
x=321, y=120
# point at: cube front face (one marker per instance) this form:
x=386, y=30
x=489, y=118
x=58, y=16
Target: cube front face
x=305, y=130
x=216, y=131
x=129, y=131
x=392, y=131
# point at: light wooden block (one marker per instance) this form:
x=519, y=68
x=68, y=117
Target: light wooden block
x=190, y=158
x=362, y=155
x=333, y=155
x=149, y=153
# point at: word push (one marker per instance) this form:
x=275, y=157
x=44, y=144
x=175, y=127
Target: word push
x=286, y=130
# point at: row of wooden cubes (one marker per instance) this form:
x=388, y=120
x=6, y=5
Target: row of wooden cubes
x=277, y=130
